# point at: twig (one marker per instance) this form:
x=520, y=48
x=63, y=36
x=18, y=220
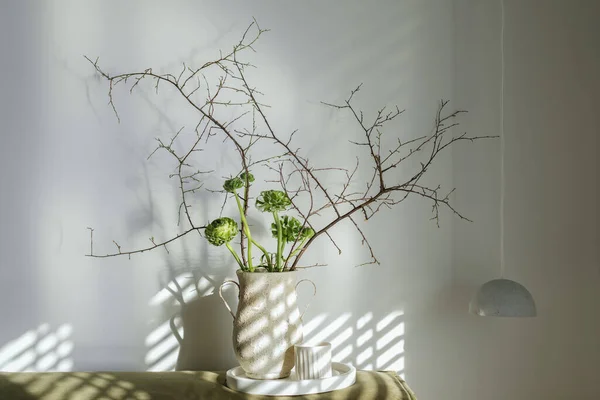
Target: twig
x=301, y=179
x=154, y=246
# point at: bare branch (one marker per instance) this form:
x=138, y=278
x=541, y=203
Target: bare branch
x=320, y=206
x=154, y=246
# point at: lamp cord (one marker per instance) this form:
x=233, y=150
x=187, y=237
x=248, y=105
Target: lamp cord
x=502, y=144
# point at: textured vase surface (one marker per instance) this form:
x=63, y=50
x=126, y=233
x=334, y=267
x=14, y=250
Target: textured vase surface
x=267, y=324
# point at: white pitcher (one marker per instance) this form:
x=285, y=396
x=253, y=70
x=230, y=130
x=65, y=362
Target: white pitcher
x=267, y=323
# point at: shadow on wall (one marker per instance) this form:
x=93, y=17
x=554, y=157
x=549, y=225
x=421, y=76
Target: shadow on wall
x=194, y=329
x=198, y=333
x=368, y=341
x=39, y=350
x=194, y=332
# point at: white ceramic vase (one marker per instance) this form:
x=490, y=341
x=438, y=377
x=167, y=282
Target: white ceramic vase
x=267, y=323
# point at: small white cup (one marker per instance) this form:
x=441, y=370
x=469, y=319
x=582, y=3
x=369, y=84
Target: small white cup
x=313, y=361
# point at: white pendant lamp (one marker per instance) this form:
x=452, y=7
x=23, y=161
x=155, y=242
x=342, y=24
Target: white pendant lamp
x=502, y=297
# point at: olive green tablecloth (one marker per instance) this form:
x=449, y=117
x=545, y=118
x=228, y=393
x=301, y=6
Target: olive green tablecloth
x=174, y=385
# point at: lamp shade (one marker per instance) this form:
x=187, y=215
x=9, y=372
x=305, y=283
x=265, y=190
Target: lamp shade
x=503, y=298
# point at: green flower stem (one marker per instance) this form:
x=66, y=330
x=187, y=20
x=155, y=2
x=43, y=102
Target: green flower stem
x=266, y=253
x=237, y=258
x=246, y=230
x=250, y=240
x=297, y=250
x=279, y=240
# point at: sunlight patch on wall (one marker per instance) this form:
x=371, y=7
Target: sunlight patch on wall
x=39, y=350
x=163, y=346
x=367, y=344
x=368, y=341
x=184, y=288
x=325, y=334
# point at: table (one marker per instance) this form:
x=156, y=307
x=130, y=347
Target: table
x=181, y=385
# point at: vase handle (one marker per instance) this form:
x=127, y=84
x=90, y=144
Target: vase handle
x=314, y=293
x=221, y=295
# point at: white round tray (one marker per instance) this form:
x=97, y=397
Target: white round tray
x=343, y=375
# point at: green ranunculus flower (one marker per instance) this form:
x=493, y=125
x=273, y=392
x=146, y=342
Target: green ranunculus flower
x=221, y=231
x=273, y=200
x=250, y=177
x=233, y=184
x=290, y=229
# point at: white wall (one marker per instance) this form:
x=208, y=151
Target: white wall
x=551, y=102
x=67, y=164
